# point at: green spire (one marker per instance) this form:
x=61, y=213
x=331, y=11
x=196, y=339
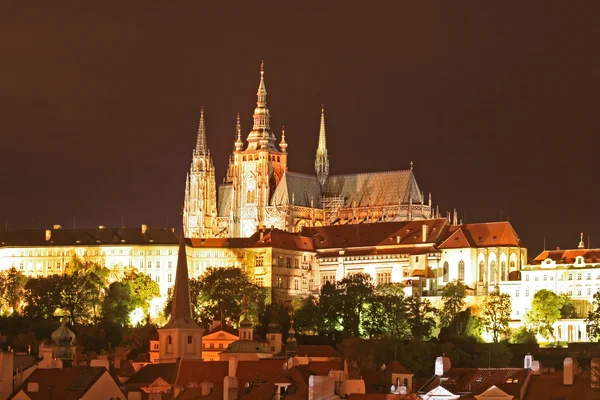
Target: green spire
x=322, y=161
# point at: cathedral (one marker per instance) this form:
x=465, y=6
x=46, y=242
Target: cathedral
x=258, y=189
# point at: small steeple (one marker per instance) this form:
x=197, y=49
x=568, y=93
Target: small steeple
x=181, y=311
x=261, y=130
x=239, y=145
x=283, y=145
x=411, y=165
x=322, y=160
x=581, y=244
x=290, y=343
x=201, y=147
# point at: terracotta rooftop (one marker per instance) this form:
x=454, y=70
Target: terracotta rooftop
x=396, y=368
x=151, y=372
x=569, y=256
x=322, y=368
x=199, y=371
x=474, y=381
x=487, y=234
x=297, y=376
x=62, y=383
x=281, y=240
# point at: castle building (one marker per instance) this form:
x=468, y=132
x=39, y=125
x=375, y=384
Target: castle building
x=258, y=189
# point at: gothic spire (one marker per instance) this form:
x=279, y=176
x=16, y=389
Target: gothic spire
x=261, y=128
x=283, y=145
x=239, y=145
x=321, y=160
x=201, y=147
x=181, y=311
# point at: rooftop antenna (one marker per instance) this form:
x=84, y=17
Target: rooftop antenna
x=6, y=226
x=166, y=221
x=500, y=214
x=74, y=222
x=122, y=225
x=544, y=243
x=589, y=242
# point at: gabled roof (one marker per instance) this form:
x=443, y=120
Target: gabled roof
x=62, y=383
x=322, y=368
x=488, y=234
x=88, y=237
x=297, y=376
x=492, y=393
x=375, y=188
x=150, y=372
x=568, y=256
x=279, y=239
x=396, y=368
x=316, y=351
x=199, y=371
x=297, y=189
x=477, y=380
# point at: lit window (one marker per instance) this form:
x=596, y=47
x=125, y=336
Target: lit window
x=578, y=277
x=517, y=293
x=169, y=278
x=526, y=292
x=158, y=264
x=260, y=260
x=445, y=272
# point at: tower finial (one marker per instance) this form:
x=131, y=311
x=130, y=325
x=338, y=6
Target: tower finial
x=581, y=244
x=322, y=160
x=283, y=145
x=262, y=67
x=201, y=147
x=411, y=165
x=238, y=130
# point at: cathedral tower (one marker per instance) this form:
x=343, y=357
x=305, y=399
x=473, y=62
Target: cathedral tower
x=181, y=337
x=322, y=160
x=200, y=208
x=257, y=170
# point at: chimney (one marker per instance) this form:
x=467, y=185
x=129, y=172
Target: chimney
x=233, y=362
x=528, y=361
x=48, y=234
x=398, y=239
x=56, y=226
x=424, y=231
x=144, y=228
x=215, y=324
x=442, y=365
x=101, y=227
x=206, y=387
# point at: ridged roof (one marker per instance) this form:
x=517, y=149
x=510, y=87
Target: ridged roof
x=488, y=234
x=298, y=189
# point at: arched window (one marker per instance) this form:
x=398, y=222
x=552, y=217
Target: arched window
x=250, y=197
x=244, y=158
x=446, y=272
x=461, y=270
x=503, y=275
x=512, y=265
x=169, y=339
x=493, y=272
x=481, y=272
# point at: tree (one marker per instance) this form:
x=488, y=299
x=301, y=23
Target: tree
x=523, y=335
x=420, y=314
x=118, y=303
x=330, y=307
x=453, y=299
x=143, y=289
x=307, y=316
x=220, y=293
x=42, y=297
x=12, y=287
x=79, y=295
x=593, y=318
x=356, y=292
x=386, y=314
x=568, y=309
x=545, y=310
x=495, y=314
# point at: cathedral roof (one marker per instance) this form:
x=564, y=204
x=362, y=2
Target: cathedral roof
x=298, y=189
x=281, y=240
x=489, y=234
x=224, y=198
x=375, y=188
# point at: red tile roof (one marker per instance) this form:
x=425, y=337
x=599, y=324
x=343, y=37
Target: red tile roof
x=298, y=376
x=263, y=370
x=316, y=351
x=487, y=234
x=396, y=368
x=477, y=380
x=281, y=240
x=568, y=256
x=322, y=368
x=376, y=234
x=199, y=371
x=382, y=396
x=62, y=383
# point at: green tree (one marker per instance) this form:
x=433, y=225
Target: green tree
x=568, y=309
x=421, y=317
x=143, y=289
x=118, y=303
x=545, y=310
x=356, y=292
x=12, y=287
x=495, y=314
x=593, y=318
x=307, y=316
x=220, y=293
x=523, y=335
x=330, y=308
x=453, y=299
x=79, y=295
x=386, y=314
x=42, y=297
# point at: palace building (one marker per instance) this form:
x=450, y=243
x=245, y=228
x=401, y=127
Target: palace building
x=258, y=189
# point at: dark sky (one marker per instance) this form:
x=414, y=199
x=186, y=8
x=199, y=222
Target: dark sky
x=495, y=102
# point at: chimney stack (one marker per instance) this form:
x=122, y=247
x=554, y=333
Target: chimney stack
x=424, y=231
x=144, y=228
x=48, y=234
x=56, y=226
x=442, y=365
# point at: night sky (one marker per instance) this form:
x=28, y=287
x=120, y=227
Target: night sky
x=495, y=102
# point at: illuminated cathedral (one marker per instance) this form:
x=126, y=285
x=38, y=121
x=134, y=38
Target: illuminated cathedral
x=258, y=189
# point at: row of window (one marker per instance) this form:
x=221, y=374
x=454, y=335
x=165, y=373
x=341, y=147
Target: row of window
x=569, y=292
x=569, y=277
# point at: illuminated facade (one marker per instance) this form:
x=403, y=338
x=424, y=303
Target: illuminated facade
x=260, y=191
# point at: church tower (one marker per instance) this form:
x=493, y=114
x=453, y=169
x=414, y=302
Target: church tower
x=256, y=170
x=322, y=160
x=200, y=208
x=181, y=337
